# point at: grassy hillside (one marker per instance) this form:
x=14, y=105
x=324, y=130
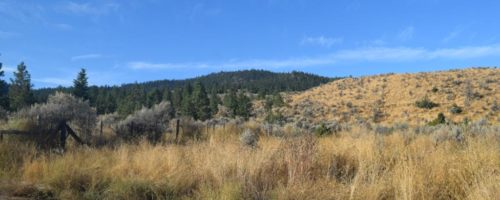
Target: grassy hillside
x=392, y=98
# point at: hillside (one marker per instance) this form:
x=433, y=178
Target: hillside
x=108, y=98
x=392, y=98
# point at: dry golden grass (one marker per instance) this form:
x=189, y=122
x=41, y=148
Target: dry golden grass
x=395, y=95
x=353, y=165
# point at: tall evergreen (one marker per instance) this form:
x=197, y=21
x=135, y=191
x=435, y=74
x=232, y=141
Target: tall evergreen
x=231, y=102
x=167, y=95
x=4, y=90
x=244, y=106
x=20, y=91
x=214, y=102
x=154, y=97
x=187, y=108
x=201, y=102
x=133, y=101
x=80, y=85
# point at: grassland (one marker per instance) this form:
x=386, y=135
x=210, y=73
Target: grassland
x=355, y=164
x=393, y=96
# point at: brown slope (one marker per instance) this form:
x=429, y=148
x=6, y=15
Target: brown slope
x=393, y=97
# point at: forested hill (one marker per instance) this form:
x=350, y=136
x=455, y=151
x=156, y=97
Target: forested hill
x=255, y=81
x=108, y=98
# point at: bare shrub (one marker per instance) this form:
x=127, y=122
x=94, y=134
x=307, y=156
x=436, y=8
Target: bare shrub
x=147, y=122
x=43, y=119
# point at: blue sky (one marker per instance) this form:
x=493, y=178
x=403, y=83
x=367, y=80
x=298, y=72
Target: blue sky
x=122, y=41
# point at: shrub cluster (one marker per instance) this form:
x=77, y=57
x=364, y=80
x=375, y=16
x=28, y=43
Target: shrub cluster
x=43, y=119
x=426, y=103
x=147, y=122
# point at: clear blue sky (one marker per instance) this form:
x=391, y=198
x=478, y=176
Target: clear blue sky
x=120, y=41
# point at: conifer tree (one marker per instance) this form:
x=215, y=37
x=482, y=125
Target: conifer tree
x=244, y=105
x=20, y=91
x=80, y=85
x=4, y=91
x=154, y=97
x=214, y=102
x=201, y=102
x=231, y=102
x=167, y=95
x=187, y=108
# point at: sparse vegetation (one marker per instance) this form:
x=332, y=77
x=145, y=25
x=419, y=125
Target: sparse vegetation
x=455, y=109
x=426, y=103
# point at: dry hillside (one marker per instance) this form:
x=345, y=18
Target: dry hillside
x=391, y=98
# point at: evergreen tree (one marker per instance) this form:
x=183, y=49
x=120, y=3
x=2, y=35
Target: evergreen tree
x=132, y=102
x=278, y=100
x=80, y=85
x=214, y=102
x=154, y=97
x=244, y=105
x=201, y=102
x=231, y=102
x=20, y=91
x=167, y=95
x=4, y=91
x=187, y=108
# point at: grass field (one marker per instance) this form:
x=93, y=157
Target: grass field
x=355, y=164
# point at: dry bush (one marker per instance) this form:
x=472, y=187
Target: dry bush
x=41, y=120
x=147, y=122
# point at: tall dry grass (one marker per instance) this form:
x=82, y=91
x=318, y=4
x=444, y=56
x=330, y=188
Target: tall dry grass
x=355, y=165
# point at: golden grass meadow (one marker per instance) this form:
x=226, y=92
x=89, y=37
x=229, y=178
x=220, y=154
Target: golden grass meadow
x=358, y=164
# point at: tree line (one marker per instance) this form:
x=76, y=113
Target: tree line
x=199, y=98
x=127, y=98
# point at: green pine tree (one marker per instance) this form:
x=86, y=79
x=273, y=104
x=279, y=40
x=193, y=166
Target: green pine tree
x=167, y=95
x=80, y=85
x=20, y=91
x=4, y=90
x=187, y=108
x=231, y=102
x=214, y=102
x=154, y=97
x=201, y=102
x=244, y=105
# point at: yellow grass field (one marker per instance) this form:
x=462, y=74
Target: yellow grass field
x=350, y=165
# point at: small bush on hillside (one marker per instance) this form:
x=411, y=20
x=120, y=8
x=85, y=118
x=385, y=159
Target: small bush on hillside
x=441, y=119
x=426, y=103
x=435, y=89
x=456, y=109
x=147, y=122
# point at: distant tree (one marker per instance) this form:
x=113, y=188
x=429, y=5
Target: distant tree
x=132, y=102
x=177, y=98
x=201, y=102
x=231, y=102
x=214, y=102
x=187, y=108
x=80, y=85
x=4, y=90
x=244, y=105
x=20, y=91
x=167, y=95
x=278, y=100
x=154, y=97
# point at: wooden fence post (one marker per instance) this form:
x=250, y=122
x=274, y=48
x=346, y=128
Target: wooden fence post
x=177, y=131
x=101, y=129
